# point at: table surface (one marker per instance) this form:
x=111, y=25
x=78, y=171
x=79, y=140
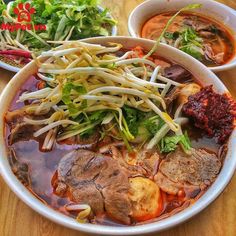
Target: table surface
x=218, y=219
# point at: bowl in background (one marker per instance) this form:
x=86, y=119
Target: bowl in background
x=215, y=10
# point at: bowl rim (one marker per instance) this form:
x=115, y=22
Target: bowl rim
x=227, y=66
x=57, y=217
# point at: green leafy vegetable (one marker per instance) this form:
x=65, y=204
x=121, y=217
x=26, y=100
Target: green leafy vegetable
x=153, y=124
x=171, y=35
x=133, y=117
x=169, y=143
x=97, y=116
x=82, y=17
x=191, y=43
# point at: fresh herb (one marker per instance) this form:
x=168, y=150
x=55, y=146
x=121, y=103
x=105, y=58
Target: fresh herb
x=169, y=143
x=133, y=117
x=171, y=35
x=97, y=116
x=75, y=19
x=69, y=91
x=153, y=124
x=191, y=43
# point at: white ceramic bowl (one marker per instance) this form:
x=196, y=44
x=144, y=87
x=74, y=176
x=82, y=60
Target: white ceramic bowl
x=12, y=68
x=197, y=69
x=210, y=8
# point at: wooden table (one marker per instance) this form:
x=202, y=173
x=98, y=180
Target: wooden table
x=219, y=219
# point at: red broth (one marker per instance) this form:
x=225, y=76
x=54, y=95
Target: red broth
x=43, y=166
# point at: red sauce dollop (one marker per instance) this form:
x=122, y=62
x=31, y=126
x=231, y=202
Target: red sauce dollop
x=214, y=113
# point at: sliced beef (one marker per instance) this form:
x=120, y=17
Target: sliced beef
x=177, y=73
x=20, y=130
x=101, y=182
x=197, y=24
x=210, y=55
x=149, y=161
x=88, y=193
x=133, y=170
x=166, y=184
x=178, y=169
x=20, y=169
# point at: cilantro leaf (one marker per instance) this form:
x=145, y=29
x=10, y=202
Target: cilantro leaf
x=71, y=91
x=153, y=124
x=169, y=143
x=133, y=118
x=191, y=43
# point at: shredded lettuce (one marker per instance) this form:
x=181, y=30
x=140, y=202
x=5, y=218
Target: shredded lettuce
x=169, y=143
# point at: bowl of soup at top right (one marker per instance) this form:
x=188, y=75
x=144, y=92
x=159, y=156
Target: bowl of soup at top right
x=207, y=33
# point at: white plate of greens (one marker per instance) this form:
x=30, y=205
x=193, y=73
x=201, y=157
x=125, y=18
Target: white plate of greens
x=64, y=20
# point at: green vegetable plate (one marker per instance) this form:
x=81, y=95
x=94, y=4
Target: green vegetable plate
x=28, y=28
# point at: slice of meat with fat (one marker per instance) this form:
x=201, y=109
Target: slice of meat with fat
x=20, y=169
x=103, y=177
x=198, y=168
x=19, y=129
x=191, y=172
x=177, y=73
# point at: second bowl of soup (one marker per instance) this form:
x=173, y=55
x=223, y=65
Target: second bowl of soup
x=206, y=33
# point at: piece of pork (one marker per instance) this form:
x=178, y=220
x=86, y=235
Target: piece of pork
x=101, y=182
x=198, y=25
x=20, y=169
x=180, y=170
x=177, y=73
x=20, y=130
x=218, y=58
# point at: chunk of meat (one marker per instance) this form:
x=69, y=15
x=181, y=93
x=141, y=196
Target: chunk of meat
x=197, y=24
x=166, y=184
x=200, y=168
x=20, y=130
x=20, y=169
x=149, y=161
x=210, y=55
x=177, y=73
x=102, y=176
x=88, y=193
x=170, y=97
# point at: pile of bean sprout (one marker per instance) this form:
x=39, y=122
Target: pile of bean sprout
x=109, y=83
